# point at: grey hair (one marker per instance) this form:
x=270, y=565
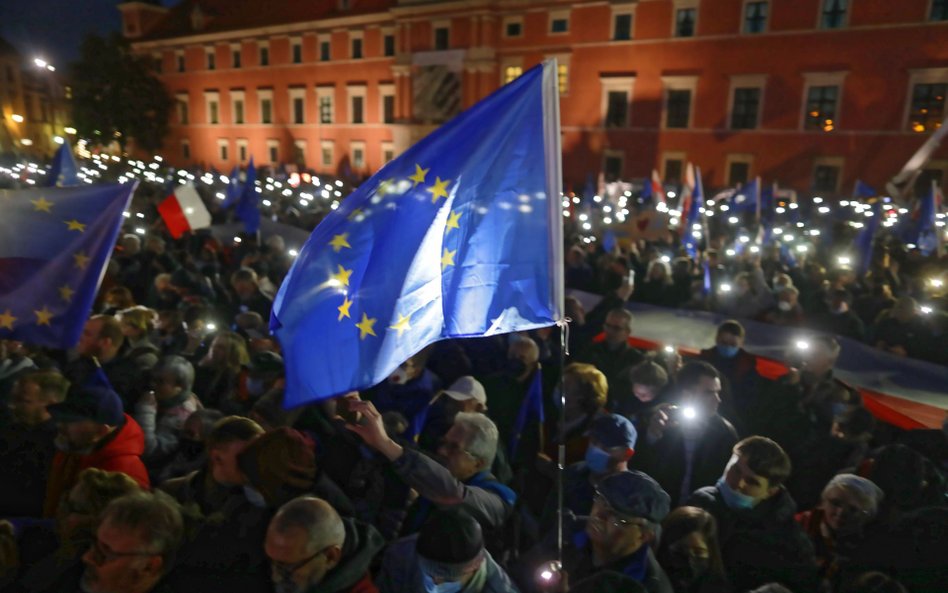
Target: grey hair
x=868, y=494
x=624, y=314
x=315, y=516
x=482, y=435
x=179, y=368
x=155, y=516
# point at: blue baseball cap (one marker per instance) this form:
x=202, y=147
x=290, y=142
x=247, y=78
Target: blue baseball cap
x=635, y=494
x=99, y=404
x=613, y=430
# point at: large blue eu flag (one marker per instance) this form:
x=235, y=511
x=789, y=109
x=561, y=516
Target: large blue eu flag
x=460, y=236
x=54, y=244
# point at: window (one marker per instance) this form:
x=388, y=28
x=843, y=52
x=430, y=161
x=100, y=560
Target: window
x=826, y=175
x=356, y=114
x=616, y=99
x=834, y=14
x=738, y=172
x=622, y=26
x=685, y=20
x=273, y=150
x=387, y=92
x=212, y=100
x=755, y=17
x=388, y=44
x=326, y=149
x=181, y=105
x=559, y=22
x=242, y=149
x=222, y=150
x=179, y=61
x=264, y=54
x=511, y=73
x=673, y=167
x=211, y=58
x=821, y=108
x=324, y=100
x=745, y=108
x=296, y=51
x=442, y=37
x=235, y=58
x=939, y=11
x=299, y=152
x=356, y=46
x=324, y=49
x=612, y=165
x=678, y=108
x=186, y=150
x=927, y=109
x=266, y=105
x=298, y=105
x=357, y=156
x=237, y=106
x=513, y=26
x=388, y=152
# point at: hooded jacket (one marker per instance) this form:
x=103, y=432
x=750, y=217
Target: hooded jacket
x=351, y=575
x=121, y=451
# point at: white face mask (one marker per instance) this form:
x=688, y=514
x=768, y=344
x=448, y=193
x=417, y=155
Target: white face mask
x=784, y=306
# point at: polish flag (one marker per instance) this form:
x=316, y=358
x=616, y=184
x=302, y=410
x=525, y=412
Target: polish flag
x=183, y=211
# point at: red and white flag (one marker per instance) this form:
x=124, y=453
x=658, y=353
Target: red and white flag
x=184, y=211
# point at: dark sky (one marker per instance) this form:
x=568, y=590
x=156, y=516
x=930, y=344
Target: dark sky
x=54, y=29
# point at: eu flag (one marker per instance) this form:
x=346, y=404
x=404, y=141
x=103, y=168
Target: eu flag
x=246, y=208
x=54, y=244
x=865, y=237
x=530, y=409
x=863, y=191
x=747, y=198
x=691, y=215
x=63, y=172
x=460, y=236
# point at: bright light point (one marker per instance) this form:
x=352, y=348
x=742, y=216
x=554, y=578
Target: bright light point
x=58, y=139
x=575, y=200
x=724, y=208
x=843, y=260
x=140, y=230
x=730, y=253
x=671, y=194
x=69, y=130
x=211, y=327
x=583, y=217
x=801, y=248
x=26, y=142
x=733, y=220
x=781, y=210
x=219, y=195
x=689, y=413
x=744, y=239
x=17, y=118
x=754, y=249
x=293, y=253
x=665, y=259
x=587, y=226
x=139, y=215
x=778, y=231
x=546, y=575
x=823, y=209
x=725, y=287
x=925, y=309
x=237, y=239
x=802, y=345
x=127, y=214
x=669, y=349
x=844, y=203
x=936, y=282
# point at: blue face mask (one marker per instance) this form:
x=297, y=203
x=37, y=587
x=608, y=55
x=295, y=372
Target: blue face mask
x=446, y=587
x=597, y=459
x=255, y=497
x=727, y=351
x=734, y=499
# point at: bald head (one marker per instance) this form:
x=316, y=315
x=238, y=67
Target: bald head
x=313, y=515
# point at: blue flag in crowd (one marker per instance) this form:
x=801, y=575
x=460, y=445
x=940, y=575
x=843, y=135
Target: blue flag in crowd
x=863, y=191
x=693, y=214
x=63, y=172
x=609, y=241
x=531, y=409
x=922, y=231
x=246, y=208
x=867, y=234
x=460, y=236
x=746, y=198
x=232, y=194
x=54, y=244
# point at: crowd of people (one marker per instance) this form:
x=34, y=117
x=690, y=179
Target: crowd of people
x=158, y=456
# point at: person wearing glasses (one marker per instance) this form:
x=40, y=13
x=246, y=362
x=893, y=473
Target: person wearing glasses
x=134, y=547
x=311, y=548
x=849, y=502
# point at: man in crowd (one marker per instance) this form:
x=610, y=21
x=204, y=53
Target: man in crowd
x=613, y=355
x=249, y=297
x=312, y=549
x=760, y=541
x=738, y=369
x=99, y=345
x=93, y=432
x=687, y=446
x=161, y=413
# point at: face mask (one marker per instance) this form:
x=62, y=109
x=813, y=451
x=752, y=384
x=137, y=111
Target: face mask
x=399, y=377
x=256, y=387
x=255, y=497
x=734, y=499
x=727, y=351
x=784, y=305
x=597, y=459
x=446, y=587
x=515, y=367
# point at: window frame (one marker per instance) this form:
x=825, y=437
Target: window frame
x=358, y=145
x=678, y=6
x=209, y=98
x=618, y=11
x=822, y=79
x=238, y=96
x=561, y=14
x=512, y=20
x=273, y=144
x=325, y=92
x=223, y=149
x=744, y=21
x=828, y=161
x=182, y=106
x=738, y=158
x=679, y=83
x=923, y=76
x=294, y=94
x=822, y=13
x=356, y=36
x=327, y=145
x=625, y=84
x=747, y=81
x=386, y=90
x=264, y=95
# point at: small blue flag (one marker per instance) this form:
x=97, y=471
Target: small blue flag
x=746, y=199
x=609, y=241
x=63, y=172
x=921, y=229
x=461, y=236
x=691, y=215
x=866, y=236
x=863, y=191
x=54, y=244
x=530, y=409
x=232, y=194
x=706, y=280
x=246, y=208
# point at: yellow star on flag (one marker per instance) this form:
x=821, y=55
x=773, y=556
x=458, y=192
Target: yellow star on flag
x=81, y=259
x=402, y=325
x=75, y=225
x=42, y=204
x=439, y=189
x=344, y=308
x=419, y=176
x=365, y=326
x=342, y=276
x=340, y=241
x=43, y=316
x=447, y=259
x=66, y=292
x=453, y=219
x=7, y=319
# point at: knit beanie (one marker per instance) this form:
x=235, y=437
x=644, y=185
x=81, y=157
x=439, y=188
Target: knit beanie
x=450, y=544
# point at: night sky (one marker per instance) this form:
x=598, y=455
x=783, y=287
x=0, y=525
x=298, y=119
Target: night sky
x=54, y=29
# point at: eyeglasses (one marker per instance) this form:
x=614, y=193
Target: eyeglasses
x=102, y=555
x=847, y=508
x=617, y=519
x=285, y=572
x=452, y=447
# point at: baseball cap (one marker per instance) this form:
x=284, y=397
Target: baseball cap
x=635, y=494
x=613, y=430
x=266, y=362
x=465, y=388
x=99, y=404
